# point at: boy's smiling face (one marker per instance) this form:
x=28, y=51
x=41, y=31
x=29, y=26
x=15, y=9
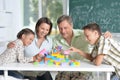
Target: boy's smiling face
x=91, y=36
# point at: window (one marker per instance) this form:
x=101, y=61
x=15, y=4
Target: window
x=30, y=13
x=33, y=9
x=52, y=9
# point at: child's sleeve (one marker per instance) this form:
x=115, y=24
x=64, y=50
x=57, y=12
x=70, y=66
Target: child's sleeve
x=7, y=56
x=21, y=57
x=104, y=46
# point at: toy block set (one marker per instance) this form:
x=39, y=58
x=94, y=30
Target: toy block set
x=58, y=57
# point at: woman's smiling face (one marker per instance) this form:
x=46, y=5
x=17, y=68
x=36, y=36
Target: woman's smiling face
x=43, y=30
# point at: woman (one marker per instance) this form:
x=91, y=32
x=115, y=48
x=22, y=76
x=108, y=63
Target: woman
x=42, y=41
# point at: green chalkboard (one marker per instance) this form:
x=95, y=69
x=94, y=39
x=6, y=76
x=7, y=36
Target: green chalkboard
x=104, y=12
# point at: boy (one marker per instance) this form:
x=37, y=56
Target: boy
x=105, y=50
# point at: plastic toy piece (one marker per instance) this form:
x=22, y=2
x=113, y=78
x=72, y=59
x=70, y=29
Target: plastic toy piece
x=50, y=63
x=36, y=63
x=59, y=48
x=57, y=58
x=64, y=64
x=57, y=63
x=42, y=62
x=66, y=52
x=43, y=52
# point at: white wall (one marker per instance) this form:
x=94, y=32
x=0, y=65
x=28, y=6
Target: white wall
x=10, y=20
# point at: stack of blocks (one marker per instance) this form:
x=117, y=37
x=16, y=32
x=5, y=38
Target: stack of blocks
x=58, y=57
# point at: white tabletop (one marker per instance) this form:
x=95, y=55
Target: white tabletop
x=84, y=66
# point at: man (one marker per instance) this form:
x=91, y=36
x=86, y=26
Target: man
x=67, y=38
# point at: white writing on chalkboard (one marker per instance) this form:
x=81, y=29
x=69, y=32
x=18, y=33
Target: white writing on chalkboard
x=106, y=13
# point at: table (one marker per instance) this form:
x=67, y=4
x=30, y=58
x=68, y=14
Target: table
x=84, y=66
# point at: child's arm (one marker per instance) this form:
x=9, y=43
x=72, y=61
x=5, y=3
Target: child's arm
x=86, y=55
x=24, y=59
x=37, y=58
x=98, y=60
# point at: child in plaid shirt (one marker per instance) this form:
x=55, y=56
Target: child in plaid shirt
x=104, y=50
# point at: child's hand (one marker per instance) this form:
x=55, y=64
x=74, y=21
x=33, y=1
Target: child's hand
x=37, y=57
x=72, y=49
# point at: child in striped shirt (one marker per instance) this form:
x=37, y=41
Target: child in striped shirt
x=104, y=50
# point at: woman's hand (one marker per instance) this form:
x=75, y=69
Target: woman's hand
x=11, y=45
